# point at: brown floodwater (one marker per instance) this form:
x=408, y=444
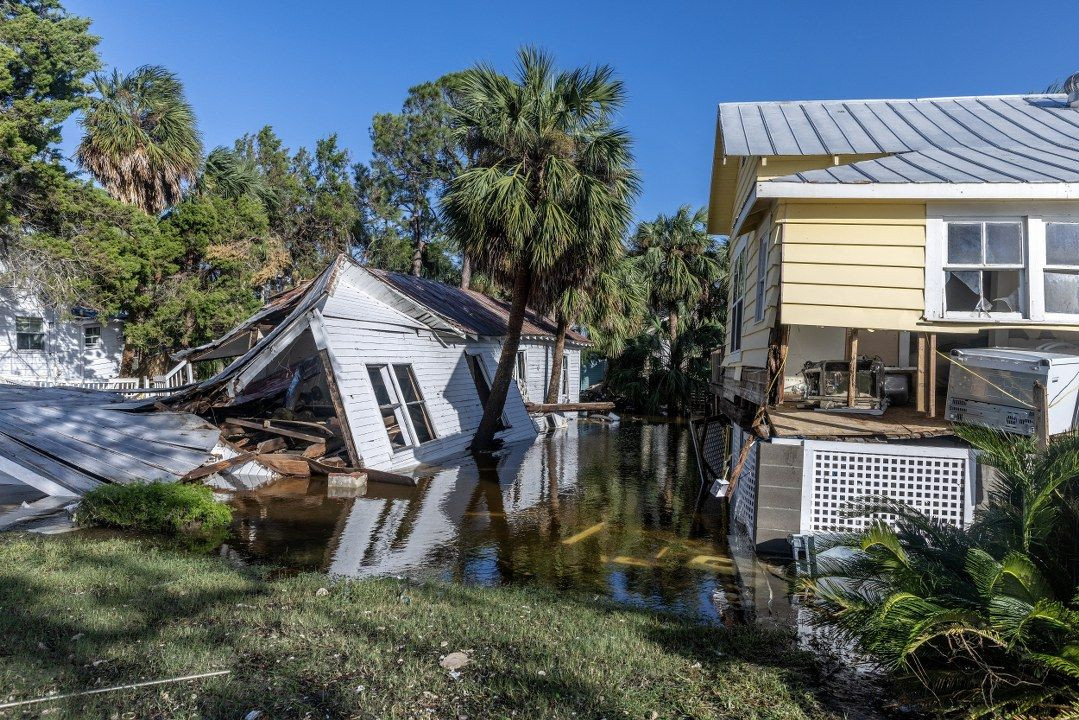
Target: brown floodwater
x=596, y=508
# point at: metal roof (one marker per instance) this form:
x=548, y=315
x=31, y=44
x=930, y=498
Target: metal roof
x=987, y=139
x=470, y=311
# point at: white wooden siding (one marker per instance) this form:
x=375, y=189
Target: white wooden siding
x=64, y=357
x=362, y=331
x=538, y=370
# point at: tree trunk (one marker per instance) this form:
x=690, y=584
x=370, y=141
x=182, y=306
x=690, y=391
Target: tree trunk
x=672, y=338
x=496, y=402
x=127, y=361
x=556, y=361
x=417, y=257
x=466, y=271
x=672, y=334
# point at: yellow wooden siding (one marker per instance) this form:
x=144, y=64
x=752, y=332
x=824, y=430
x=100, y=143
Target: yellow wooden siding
x=755, y=334
x=853, y=264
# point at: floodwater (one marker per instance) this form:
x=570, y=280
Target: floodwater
x=596, y=508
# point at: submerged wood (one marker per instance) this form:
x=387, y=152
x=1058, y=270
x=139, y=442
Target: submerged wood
x=569, y=407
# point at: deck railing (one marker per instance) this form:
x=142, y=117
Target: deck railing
x=180, y=376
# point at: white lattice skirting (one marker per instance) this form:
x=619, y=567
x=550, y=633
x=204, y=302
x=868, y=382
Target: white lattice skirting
x=937, y=481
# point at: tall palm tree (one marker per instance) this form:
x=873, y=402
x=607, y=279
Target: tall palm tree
x=551, y=182
x=141, y=140
x=680, y=260
x=611, y=306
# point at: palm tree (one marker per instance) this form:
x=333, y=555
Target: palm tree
x=680, y=260
x=551, y=181
x=983, y=622
x=232, y=175
x=141, y=141
x=611, y=307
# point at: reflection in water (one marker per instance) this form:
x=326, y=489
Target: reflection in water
x=595, y=508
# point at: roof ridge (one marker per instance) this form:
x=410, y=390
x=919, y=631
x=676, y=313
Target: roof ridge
x=837, y=101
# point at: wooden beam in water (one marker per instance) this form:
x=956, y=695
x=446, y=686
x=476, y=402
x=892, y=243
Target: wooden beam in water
x=569, y=407
x=585, y=533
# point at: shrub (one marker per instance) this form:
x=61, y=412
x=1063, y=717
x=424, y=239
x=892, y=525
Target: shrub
x=170, y=508
x=982, y=622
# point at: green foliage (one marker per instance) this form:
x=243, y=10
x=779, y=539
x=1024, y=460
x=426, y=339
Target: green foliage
x=684, y=271
x=141, y=141
x=167, y=508
x=547, y=197
x=981, y=623
x=45, y=56
x=414, y=156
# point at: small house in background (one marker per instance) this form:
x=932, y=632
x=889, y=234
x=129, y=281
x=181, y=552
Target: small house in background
x=395, y=369
x=880, y=250
x=40, y=345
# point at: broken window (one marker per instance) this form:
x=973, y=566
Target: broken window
x=520, y=373
x=29, y=333
x=1061, y=275
x=983, y=273
x=404, y=412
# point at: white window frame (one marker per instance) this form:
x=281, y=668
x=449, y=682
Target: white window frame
x=400, y=407
x=1034, y=217
x=1047, y=267
x=762, y=276
x=97, y=341
x=41, y=332
x=565, y=376
x=520, y=373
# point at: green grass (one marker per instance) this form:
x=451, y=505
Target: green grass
x=79, y=613
x=170, y=508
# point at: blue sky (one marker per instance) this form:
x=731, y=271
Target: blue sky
x=321, y=66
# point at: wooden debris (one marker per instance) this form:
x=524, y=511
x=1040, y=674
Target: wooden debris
x=569, y=407
x=265, y=426
x=315, y=450
x=285, y=464
x=207, y=470
x=271, y=445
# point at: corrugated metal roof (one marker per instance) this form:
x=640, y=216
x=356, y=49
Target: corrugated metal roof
x=990, y=139
x=473, y=312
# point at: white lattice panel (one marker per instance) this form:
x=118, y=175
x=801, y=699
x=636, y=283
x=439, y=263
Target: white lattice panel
x=936, y=481
x=744, y=500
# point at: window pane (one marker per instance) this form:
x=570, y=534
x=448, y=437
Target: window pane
x=962, y=290
x=28, y=324
x=1003, y=243
x=964, y=243
x=420, y=422
x=1062, y=292
x=406, y=379
x=1001, y=290
x=382, y=396
x=1061, y=244
x=92, y=336
x=393, y=427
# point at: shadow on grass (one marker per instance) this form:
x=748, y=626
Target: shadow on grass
x=96, y=614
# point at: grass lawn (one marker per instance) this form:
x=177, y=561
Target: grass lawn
x=79, y=613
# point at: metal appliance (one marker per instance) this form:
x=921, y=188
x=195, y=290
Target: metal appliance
x=994, y=387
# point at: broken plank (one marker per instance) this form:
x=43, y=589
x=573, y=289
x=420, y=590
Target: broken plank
x=315, y=450
x=569, y=407
x=207, y=470
x=265, y=426
x=285, y=464
x=271, y=445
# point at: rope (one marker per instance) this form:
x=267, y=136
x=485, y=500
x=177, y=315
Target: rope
x=985, y=380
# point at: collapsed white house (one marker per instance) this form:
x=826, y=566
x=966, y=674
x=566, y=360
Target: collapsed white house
x=395, y=369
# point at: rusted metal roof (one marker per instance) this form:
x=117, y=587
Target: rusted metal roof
x=472, y=312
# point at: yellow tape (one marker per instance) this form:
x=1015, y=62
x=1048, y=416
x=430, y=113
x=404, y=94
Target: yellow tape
x=984, y=379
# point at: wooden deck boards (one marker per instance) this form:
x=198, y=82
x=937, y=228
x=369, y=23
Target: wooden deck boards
x=896, y=423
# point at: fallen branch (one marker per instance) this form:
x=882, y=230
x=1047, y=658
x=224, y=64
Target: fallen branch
x=129, y=686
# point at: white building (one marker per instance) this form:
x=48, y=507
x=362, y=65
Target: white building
x=38, y=344
x=404, y=364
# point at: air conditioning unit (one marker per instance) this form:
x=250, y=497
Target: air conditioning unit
x=994, y=387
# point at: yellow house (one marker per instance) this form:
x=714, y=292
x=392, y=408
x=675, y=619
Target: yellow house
x=879, y=236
